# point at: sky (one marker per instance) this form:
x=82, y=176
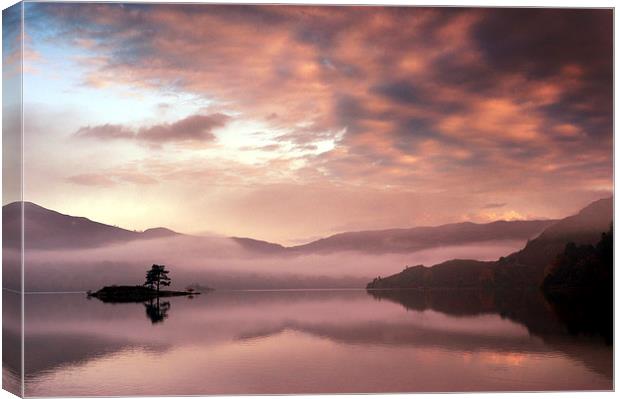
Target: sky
x=289, y=123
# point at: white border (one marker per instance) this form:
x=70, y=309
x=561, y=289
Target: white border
x=477, y=3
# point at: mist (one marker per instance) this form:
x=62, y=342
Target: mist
x=222, y=263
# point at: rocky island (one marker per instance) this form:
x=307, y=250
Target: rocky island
x=134, y=293
x=156, y=277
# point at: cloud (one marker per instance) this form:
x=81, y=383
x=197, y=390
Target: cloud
x=91, y=179
x=266, y=148
x=493, y=205
x=111, y=179
x=192, y=128
x=105, y=132
x=478, y=103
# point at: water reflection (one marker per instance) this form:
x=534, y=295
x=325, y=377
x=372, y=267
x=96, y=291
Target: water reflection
x=575, y=314
x=571, y=324
x=156, y=311
x=312, y=341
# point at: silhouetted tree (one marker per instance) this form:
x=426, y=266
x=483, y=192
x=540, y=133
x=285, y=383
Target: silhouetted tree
x=584, y=266
x=156, y=277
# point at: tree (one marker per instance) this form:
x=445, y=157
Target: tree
x=584, y=266
x=156, y=277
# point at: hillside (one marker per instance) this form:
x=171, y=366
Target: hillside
x=587, y=267
x=522, y=268
x=528, y=265
x=259, y=246
x=47, y=229
x=457, y=273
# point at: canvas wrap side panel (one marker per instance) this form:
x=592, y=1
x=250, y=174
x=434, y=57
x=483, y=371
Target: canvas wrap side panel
x=12, y=200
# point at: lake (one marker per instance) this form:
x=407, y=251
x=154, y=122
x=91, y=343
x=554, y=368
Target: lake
x=332, y=341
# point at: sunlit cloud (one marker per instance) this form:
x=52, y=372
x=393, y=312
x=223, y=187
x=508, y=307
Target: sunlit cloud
x=478, y=103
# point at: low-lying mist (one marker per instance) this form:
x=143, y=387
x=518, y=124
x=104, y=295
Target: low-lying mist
x=222, y=263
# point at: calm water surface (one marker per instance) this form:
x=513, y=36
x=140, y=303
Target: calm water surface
x=305, y=342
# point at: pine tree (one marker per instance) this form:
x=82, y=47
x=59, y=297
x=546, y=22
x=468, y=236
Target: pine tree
x=157, y=276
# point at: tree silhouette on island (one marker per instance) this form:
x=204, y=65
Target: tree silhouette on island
x=156, y=277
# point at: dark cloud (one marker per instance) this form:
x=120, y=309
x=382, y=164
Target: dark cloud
x=471, y=76
x=540, y=42
x=549, y=43
x=11, y=28
x=349, y=111
x=192, y=128
x=105, y=132
x=494, y=205
x=402, y=91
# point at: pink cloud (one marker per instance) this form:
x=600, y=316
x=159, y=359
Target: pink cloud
x=112, y=178
x=477, y=103
x=91, y=179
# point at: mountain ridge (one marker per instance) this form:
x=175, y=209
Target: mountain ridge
x=49, y=229
x=424, y=237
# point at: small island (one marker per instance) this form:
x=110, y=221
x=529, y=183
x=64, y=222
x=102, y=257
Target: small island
x=134, y=293
x=156, y=277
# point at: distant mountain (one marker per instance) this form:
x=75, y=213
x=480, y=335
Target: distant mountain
x=418, y=238
x=525, y=268
x=47, y=229
x=158, y=232
x=584, y=227
x=258, y=245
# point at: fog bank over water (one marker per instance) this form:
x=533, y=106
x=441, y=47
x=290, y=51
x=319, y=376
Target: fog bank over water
x=224, y=264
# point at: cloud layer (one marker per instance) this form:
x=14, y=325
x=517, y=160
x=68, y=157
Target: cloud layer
x=497, y=109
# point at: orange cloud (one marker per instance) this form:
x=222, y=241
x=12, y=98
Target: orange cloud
x=477, y=103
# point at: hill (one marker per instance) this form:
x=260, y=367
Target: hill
x=47, y=229
x=259, y=246
x=456, y=273
x=524, y=268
